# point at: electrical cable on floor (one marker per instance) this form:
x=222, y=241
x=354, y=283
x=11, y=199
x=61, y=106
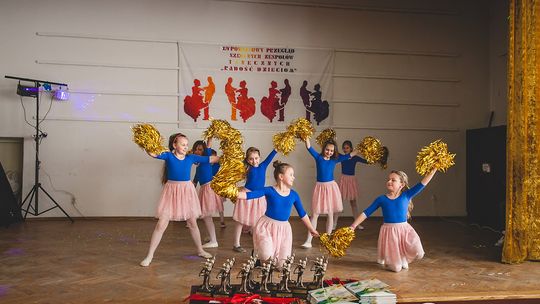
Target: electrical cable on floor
x=434, y=200
x=73, y=200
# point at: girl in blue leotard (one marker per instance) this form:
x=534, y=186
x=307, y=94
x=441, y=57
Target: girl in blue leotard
x=398, y=244
x=272, y=234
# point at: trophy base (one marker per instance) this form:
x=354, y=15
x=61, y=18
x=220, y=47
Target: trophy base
x=300, y=290
x=284, y=294
x=196, y=289
x=312, y=285
x=272, y=286
x=264, y=293
x=221, y=294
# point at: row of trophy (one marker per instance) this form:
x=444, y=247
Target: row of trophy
x=257, y=276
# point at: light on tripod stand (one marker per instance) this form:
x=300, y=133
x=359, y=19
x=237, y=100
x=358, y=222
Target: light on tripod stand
x=61, y=94
x=29, y=91
x=33, y=195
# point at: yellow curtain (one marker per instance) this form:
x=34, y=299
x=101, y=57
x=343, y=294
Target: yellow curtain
x=522, y=240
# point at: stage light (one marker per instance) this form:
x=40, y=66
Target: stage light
x=30, y=91
x=61, y=94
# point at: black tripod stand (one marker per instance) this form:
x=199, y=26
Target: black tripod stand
x=33, y=193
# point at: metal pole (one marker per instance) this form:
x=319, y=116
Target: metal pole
x=36, y=139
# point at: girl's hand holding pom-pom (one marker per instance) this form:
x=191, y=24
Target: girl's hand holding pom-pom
x=338, y=241
x=434, y=157
x=284, y=142
x=371, y=149
x=232, y=166
x=148, y=138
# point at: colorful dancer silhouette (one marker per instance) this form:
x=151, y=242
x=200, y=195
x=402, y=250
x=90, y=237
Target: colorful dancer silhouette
x=230, y=91
x=319, y=107
x=285, y=93
x=194, y=103
x=245, y=104
x=304, y=94
x=270, y=103
x=209, y=91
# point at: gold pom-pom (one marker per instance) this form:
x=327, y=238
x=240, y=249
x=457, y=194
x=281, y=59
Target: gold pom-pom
x=326, y=135
x=337, y=242
x=232, y=169
x=301, y=128
x=371, y=149
x=147, y=137
x=434, y=156
x=284, y=141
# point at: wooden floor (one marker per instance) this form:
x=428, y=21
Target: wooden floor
x=96, y=260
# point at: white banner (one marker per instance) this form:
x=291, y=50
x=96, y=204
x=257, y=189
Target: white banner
x=255, y=85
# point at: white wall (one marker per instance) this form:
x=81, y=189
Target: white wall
x=407, y=72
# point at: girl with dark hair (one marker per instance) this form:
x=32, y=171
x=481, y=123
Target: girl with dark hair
x=348, y=186
x=211, y=203
x=247, y=212
x=326, y=196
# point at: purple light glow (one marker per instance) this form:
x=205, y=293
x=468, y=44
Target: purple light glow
x=192, y=257
x=61, y=95
x=4, y=290
x=127, y=240
x=14, y=251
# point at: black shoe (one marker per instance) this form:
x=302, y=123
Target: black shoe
x=238, y=249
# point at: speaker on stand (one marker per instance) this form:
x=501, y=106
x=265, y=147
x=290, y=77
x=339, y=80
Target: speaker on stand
x=486, y=176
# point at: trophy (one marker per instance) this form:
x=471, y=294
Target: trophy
x=273, y=267
x=283, y=287
x=299, y=271
x=225, y=276
x=228, y=279
x=244, y=275
x=265, y=272
x=251, y=284
x=206, y=287
x=319, y=270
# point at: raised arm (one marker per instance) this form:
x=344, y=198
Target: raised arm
x=209, y=143
x=308, y=142
x=154, y=155
x=428, y=177
x=269, y=158
x=311, y=150
x=360, y=159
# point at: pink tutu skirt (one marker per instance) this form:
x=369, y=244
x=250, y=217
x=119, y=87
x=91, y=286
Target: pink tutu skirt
x=211, y=203
x=348, y=187
x=399, y=244
x=272, y=238
x=248, y=212
x=326, y=198
x=178, y=201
